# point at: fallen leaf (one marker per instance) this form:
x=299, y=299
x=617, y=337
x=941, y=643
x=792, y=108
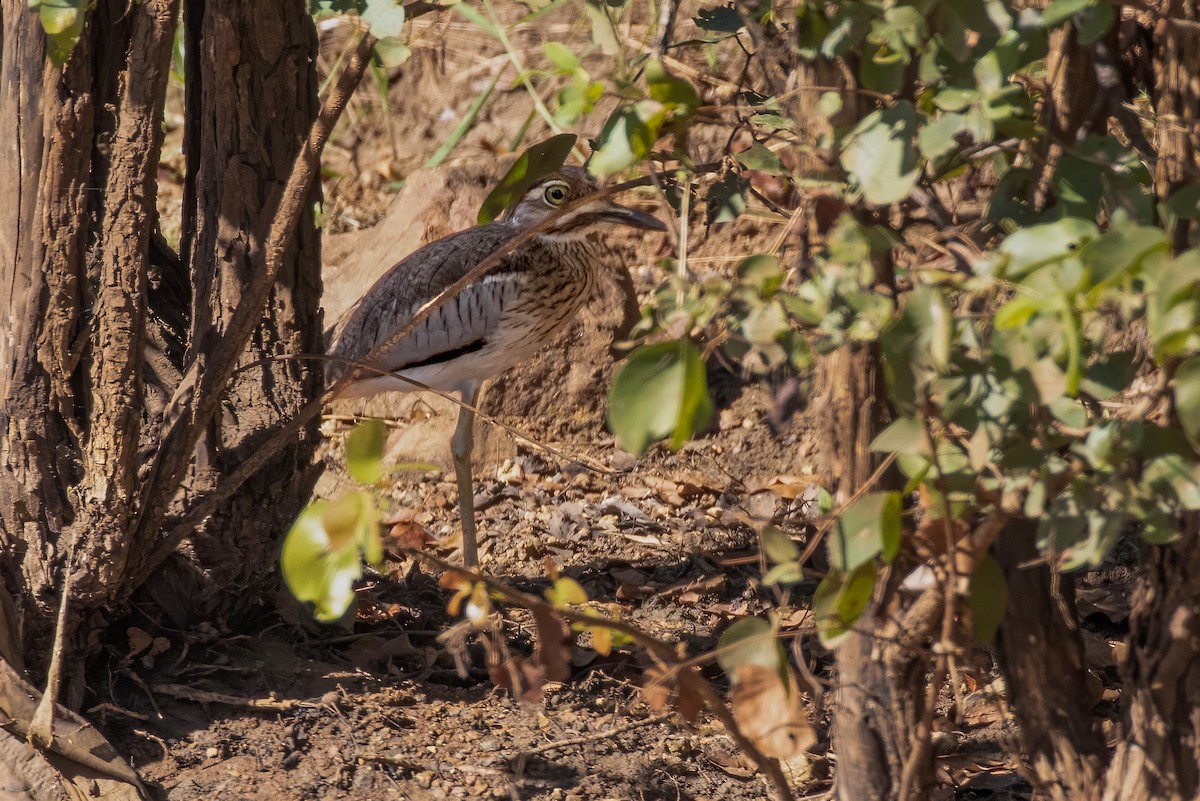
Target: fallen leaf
x=739, y=766
x=769, y=712
x=408, y=535
x=519, y=677
x=139, y=640
x=656, y=692
x=789, y=487
x=511, y=473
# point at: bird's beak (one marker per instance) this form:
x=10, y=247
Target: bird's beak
x=624, y=215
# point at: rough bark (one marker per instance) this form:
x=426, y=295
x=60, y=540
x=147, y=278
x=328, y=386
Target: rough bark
x=1177, y=102
x=1040, y=638
x=251, y=98
x=44, y=170
x=1158, y=758
x=881, y=682
x=76, y=228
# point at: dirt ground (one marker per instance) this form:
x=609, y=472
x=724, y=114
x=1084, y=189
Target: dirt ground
x=385, y=705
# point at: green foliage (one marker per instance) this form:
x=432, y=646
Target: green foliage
x=384, y=18
x=880, y=156
x=62, y=20
x=866, y=529
x=535, y=163
x=661, y=391
x=364, y=451
x=750, y=641
x=324, y=550
x=841, y=599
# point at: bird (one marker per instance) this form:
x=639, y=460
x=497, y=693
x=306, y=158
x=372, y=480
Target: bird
x=540, y=264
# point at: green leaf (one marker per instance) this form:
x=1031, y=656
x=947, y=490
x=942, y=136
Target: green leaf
x=828, y=104
x=536, y=162
x=62, y=20
x=1060, y=11
x=879, y=153
x=566, y=592
x=869, y=527
x=386, y=17
x=660, y=391
x=1185, y=203
x=1039, y=245
x=391, y=51
x=1110, y=374
x=625, y=140
x=676, y=94
x=1094, y=22
x=726, y=198
x=778, y=546
x=783, y=573
x=840, y=600
x=763, y=272
x=722, y=19
x=987, y=597
x=941, y=136
x=364, y=450
x=1122, y=250
x=1175, y=479
x=1187, y=397
x=323, y=551
x=749, y=641
x=561, y=56
x=906, y=435
x=759, y=157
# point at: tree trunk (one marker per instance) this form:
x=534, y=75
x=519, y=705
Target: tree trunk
x=1177, y=103
x=1158, y=758
x=1040, y=638
x=75, y=228
x=881, y=676
x=251, y=96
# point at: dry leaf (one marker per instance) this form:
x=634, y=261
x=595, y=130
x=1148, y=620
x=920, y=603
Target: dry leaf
x=408, y=535
x=789, y=487
x=511, y=473
x=769, y=712
x=688, y=701
x=656, y=692
x=519, y=677
x=737, y=765
x=552, y=649
x=139, y=640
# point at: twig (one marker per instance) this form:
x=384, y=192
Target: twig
x=206, y=697
x=607, y=734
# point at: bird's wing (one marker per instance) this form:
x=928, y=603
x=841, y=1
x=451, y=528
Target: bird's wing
x=457, y=325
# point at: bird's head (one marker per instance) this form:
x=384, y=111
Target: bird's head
x=569, y=195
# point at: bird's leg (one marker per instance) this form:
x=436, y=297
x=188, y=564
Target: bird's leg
x=460, y=449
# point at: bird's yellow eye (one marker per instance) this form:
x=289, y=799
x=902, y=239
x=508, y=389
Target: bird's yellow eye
x=556, y=194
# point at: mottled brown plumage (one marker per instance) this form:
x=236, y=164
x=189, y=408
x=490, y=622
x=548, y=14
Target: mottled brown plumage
x=497, y=320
